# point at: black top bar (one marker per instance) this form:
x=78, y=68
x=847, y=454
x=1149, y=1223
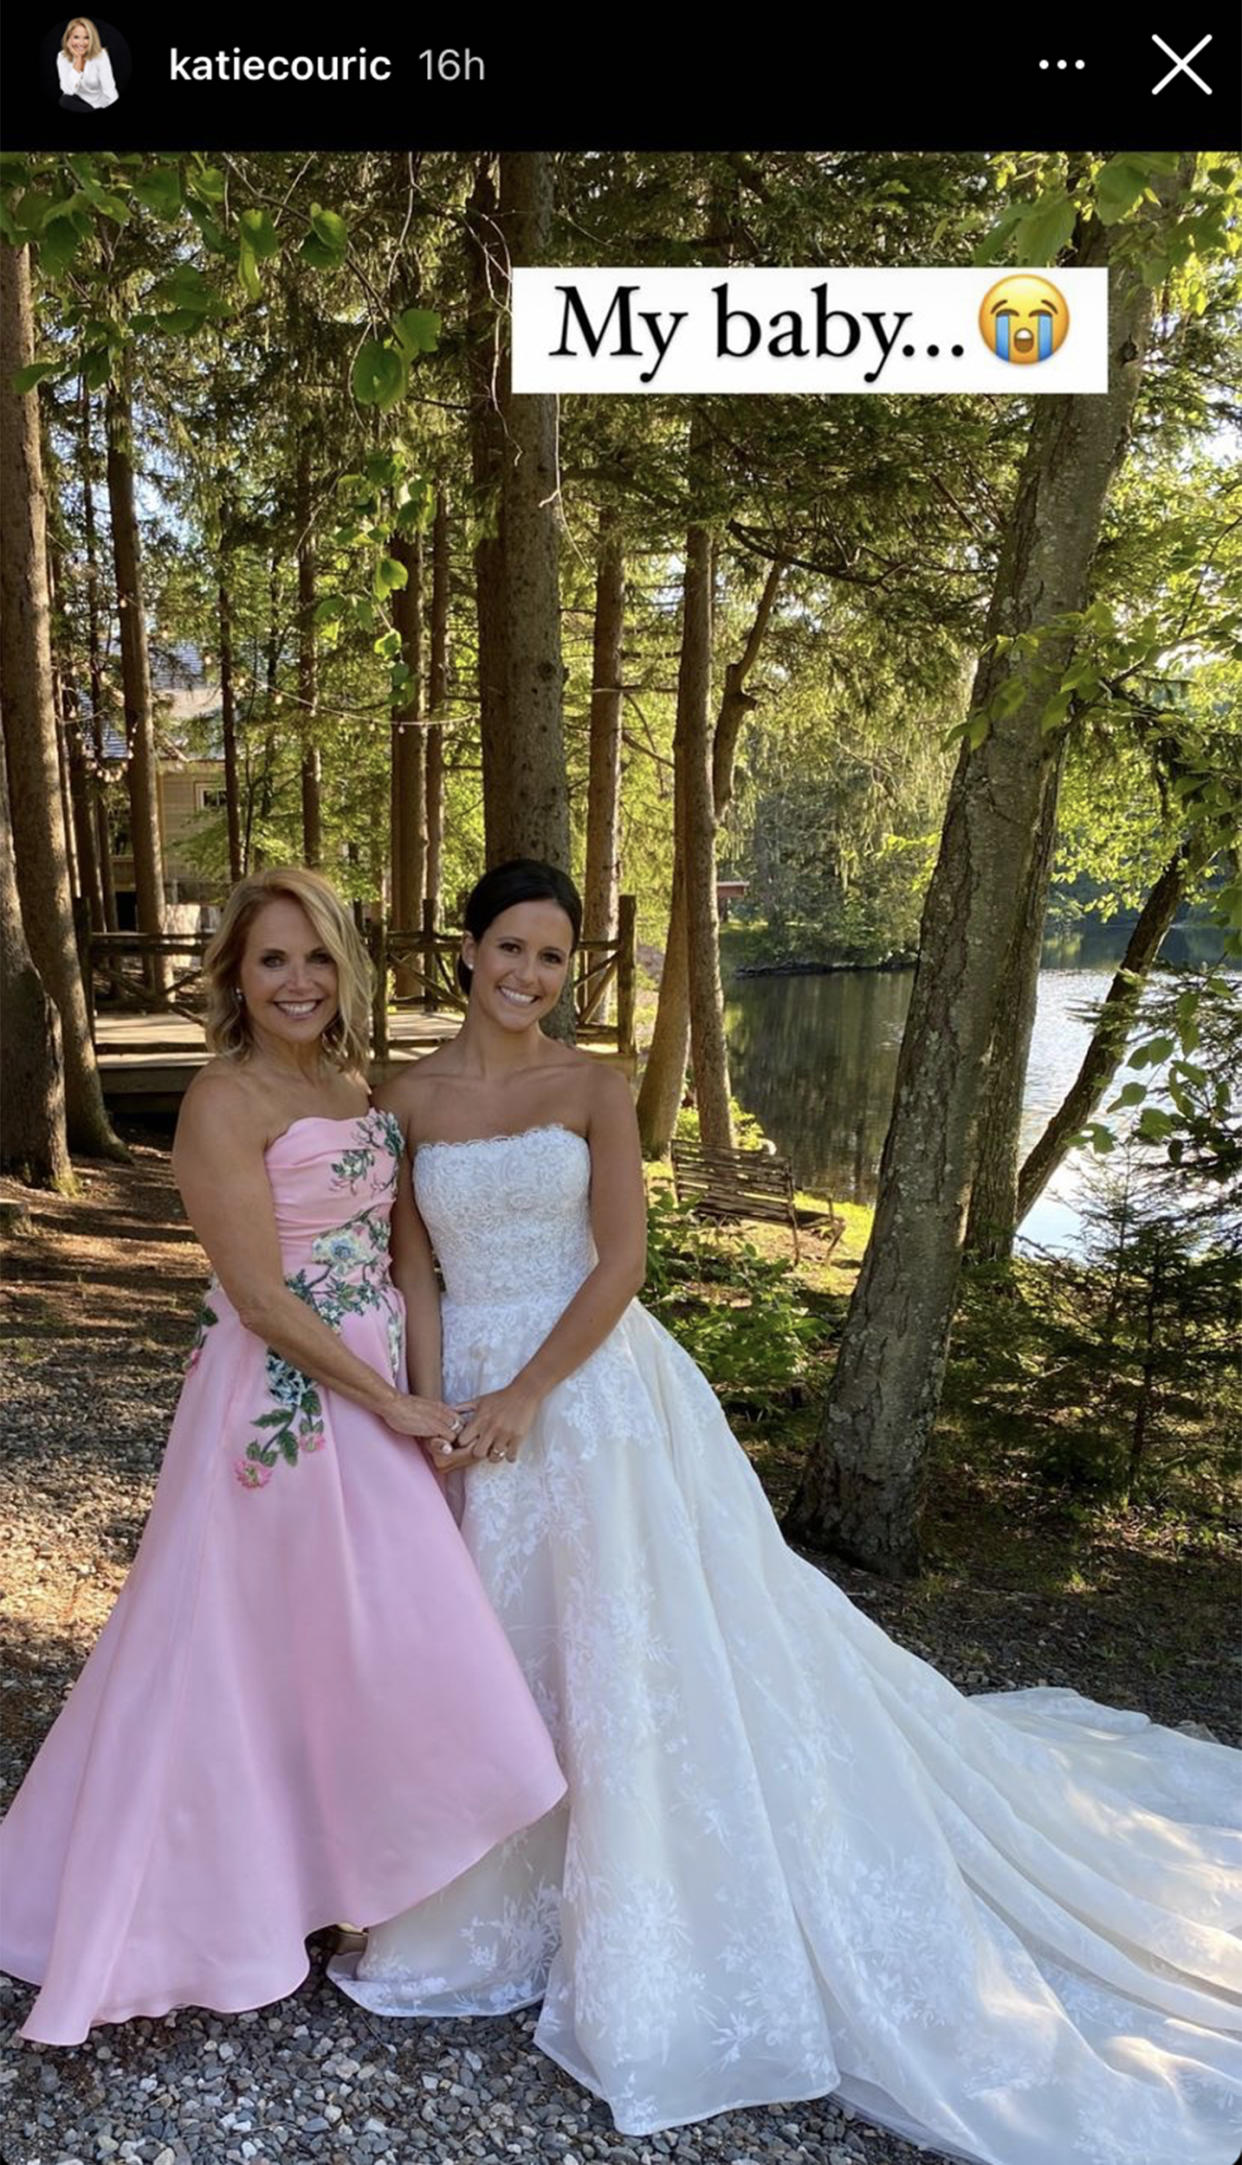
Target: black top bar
x=203, y=78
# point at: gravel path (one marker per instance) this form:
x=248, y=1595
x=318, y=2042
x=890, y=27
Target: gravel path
x=315, y=2077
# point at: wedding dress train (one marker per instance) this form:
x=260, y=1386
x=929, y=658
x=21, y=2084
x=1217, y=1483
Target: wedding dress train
x=794, y=1859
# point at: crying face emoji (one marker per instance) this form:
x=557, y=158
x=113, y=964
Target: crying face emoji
x=1023, y=318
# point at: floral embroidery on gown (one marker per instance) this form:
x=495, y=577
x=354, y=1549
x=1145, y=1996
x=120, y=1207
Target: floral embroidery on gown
x=301, y=1709
x=794, y=1859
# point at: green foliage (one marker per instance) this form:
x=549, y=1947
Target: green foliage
x=741, y=1315
x=390, y=576
x=1115, y=1381
x=183, y=300
x=1193, y=1032
x=830, y=878
x=747, y=1132
x=1172, y=219
x=1121, y=185
x=380, y=374
x=417, y=330
x=264, y=302
x=326, y=245
x=159, y=190
x=1044, y=230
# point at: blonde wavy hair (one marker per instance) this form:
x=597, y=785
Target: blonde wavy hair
x=346, y=1041
x=86, y=24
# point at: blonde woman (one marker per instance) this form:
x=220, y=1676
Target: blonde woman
x=301, y=1708
x=85, y=71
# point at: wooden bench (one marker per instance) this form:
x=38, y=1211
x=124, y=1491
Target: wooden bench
x=727, y=1184
x=744, y=1184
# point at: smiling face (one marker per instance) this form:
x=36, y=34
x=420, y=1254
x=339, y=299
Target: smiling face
x=79, y=42
x=287, y=978
x=519, y=963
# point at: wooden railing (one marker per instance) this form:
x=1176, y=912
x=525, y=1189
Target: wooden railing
x=128, y=967
x=131, y=964
x=424, y=965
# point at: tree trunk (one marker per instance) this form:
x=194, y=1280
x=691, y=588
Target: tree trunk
x=26, y=692
x=81, y=793
x=1111, y=1034
x=99, y=784
x=308, y=659
x=1147, y=1388
x=56, y=638
x=488, y=376
x=993, y=1219
x=259, y=805
x=103, y=848
x=737, y=702
x=437, y=697
x=408, y=790
x=692, y=757
x=664, y=1076
x=66, y=793
x=693, y=749
x=228, y=724
x=602, y=882
x=861, y=1488
x=530, y=525
x=408, y=805
x=75, y=773
x=82, y=803
x=144, y=812
x=33, y=1146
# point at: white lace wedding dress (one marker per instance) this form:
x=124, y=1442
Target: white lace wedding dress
x=794, y=1859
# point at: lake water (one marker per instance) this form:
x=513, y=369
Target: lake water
x=815, y=1059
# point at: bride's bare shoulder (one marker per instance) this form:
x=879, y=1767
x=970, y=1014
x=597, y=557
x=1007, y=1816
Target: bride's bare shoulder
x=556, y=1054
x=610, y=1096
x=410, y=1090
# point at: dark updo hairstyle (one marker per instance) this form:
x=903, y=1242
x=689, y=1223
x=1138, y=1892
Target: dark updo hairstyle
x=522, y=879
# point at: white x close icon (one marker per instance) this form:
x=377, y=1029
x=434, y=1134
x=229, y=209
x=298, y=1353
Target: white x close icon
x=1182, y=65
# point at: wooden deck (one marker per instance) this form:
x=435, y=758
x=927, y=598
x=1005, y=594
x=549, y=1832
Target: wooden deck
x=146, y=1061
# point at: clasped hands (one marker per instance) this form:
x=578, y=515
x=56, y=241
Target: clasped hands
x=489, y=1427
x=492, y=1427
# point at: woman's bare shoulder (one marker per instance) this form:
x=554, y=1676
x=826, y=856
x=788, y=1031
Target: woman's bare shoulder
x=610, y=1097
x=606, y=1081
x=409, y=1090
x=569, y=1059
x=222, y=1086
x=221, y=1099
x=587, y=1092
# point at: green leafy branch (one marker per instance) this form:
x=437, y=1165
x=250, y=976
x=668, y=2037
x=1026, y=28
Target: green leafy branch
x=1165, y=239
x=389, y=494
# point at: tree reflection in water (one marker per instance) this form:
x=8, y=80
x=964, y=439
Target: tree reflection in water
x=815, y=1059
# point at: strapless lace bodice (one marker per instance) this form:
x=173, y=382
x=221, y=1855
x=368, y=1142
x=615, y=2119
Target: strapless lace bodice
x=508, y=1216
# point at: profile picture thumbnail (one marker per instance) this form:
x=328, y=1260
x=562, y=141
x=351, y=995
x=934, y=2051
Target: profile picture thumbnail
x=89, y=65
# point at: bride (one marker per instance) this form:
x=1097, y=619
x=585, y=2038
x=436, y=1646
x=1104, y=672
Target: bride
x=793, y=1860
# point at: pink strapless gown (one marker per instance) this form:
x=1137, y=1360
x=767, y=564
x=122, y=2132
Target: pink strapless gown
x=301, y=1709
